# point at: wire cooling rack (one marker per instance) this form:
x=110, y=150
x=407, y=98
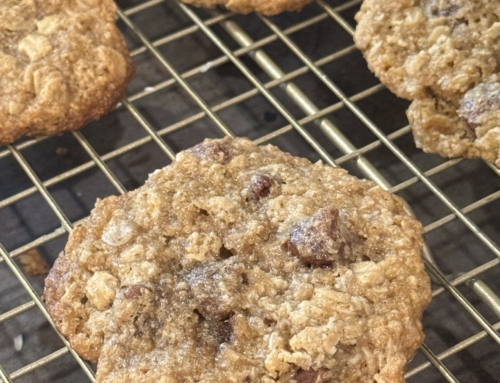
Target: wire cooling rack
x=294, y=80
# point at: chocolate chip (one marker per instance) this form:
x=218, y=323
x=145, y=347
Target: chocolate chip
x=203, y=212
x=323, y=240
x=216, y=151
x=312, y=376
x=261, y=186
x=478, y=102
x=306, y=376
x=134, y=291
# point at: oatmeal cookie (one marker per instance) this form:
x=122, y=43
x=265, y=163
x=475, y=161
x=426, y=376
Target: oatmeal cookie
x=240, y=263
x=469, y=127
x=445, y=56
x=265, y=7
x=63, y=63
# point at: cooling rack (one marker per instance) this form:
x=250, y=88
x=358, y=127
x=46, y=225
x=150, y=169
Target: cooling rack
x=293, y=80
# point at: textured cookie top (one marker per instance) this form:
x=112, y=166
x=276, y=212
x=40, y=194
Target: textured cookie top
x=240, y=263
x=469, y=126
x=63, y=63
x=442, y=47
x=265, y=7
x=445, y=54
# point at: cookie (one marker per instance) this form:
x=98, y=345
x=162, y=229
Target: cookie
x=443, y=55
x=471, y=130
x=240, y=263
x=63, y=63
x=265, y=7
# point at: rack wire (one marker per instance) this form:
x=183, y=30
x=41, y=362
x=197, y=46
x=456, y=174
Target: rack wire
x=294, y=80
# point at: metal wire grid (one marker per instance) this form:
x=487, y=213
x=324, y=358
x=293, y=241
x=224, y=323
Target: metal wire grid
x=302, y=121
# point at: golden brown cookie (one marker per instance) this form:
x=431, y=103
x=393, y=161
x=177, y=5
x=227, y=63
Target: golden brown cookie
x=444, y=55
x=471, y=129
x=63, y=63
x=265, y=7
x=240, y=263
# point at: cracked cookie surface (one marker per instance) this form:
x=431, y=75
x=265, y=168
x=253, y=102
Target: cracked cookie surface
x=63, y=63
x=240, y=263
x=444, y=55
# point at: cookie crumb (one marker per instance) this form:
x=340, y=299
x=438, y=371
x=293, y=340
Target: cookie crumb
x=33, y=263
x=18, y=342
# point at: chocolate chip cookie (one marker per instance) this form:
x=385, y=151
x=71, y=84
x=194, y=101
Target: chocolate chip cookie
x=444, y=55
x=240, y=263
x=63, y=63
x=265, y=7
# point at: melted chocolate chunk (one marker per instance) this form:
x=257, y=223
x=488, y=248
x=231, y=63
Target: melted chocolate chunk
x=217, y=151
x=312, y=376
x=478, y=102
x=261, y=185
x=323, y=240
